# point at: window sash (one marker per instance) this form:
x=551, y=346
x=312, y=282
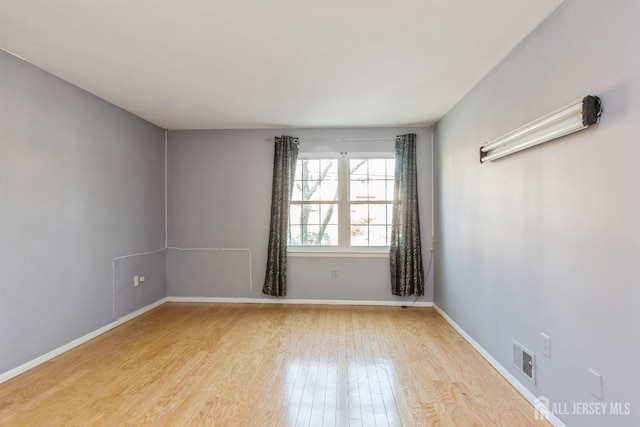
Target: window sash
x=343, y=203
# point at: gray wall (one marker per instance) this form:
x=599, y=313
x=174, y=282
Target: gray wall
x=219, y=191
x=548, y=240
x=81, y=183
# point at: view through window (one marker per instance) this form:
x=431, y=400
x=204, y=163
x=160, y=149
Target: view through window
x=342, y=201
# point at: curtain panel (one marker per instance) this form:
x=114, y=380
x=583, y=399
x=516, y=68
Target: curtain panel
x=407, y=273
x=284, y=167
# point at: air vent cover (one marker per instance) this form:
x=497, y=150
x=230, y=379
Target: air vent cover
x=524, y=361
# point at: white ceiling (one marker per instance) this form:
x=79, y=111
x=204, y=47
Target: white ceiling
x=223, y=64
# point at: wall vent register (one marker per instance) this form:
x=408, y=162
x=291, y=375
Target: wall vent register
x=524, y=361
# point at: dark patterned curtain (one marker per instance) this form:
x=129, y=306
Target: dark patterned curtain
x=407, y=274
x=284, y=168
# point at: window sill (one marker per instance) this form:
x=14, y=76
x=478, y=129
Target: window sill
x=338, y=254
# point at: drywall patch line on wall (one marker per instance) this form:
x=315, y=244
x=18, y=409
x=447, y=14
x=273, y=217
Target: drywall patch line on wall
x=166, y=198
x=531, y=398
x=6, y=376
x=139, y=254
x=208, y=249
x=433, y=193
x=113, y=279
x=222, y=249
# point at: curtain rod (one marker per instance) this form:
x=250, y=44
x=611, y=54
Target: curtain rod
x=389, y=138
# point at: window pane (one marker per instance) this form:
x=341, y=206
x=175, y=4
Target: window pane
x=310, y=214
x=358, y=168
x=304, y=169
x=310, y=236
x=310, y=190
x=378, y=214
x=377, y=235
x=318, y=169
x=377, y=169
x=359, y=235
x=359, y=191
x=317, y=180
x=298, y=175
x=312, y=171
x=329, y=214
x=297, y=232
x=371, y=224
x=391, y=168
x=390, y=190
x=377, y=190
x=376, y=184
x=329, y=169
x=372, y=235
x=294, y=214
x=296, y=194
x=359, y=214
x=294, y=235
x=330, y=236
x=328, y=190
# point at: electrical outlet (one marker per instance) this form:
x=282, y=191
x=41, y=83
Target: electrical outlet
x=141, y=279
x=334, y=273
x=136, y=280
x=546, y=345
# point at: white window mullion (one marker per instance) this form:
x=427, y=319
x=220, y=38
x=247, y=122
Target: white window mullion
x=343, y=207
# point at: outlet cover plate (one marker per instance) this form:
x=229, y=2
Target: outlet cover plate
x=595, y=384
x=546, y=345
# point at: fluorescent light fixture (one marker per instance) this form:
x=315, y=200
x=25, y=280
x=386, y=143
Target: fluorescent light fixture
x=573, y=117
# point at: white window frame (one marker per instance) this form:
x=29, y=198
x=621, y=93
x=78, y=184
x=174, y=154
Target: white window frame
x=344, y=203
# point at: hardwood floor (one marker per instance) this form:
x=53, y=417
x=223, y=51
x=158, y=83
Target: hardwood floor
x=269, y=365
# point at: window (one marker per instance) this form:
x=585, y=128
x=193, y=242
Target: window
x=342, y=202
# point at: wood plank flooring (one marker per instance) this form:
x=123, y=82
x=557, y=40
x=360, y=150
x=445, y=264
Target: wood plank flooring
x=188, y=364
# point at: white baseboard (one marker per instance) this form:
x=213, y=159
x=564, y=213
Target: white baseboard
x=531, y=398
x=75, y=343
x=297, y=301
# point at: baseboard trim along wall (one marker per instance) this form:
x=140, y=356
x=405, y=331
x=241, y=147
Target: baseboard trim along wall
x=75, y=343
x=298, y=301
x=531, y=398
